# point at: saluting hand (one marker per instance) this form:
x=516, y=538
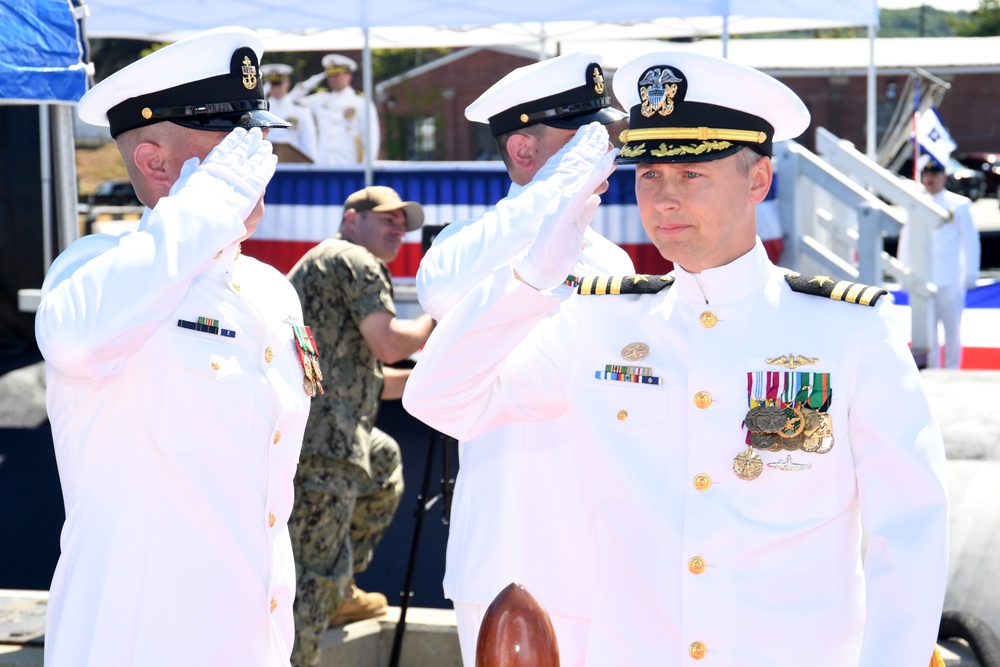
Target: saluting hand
x=244, y=161
x=578, y=169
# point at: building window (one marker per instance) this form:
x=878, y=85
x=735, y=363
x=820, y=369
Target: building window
x=420, y=138
x=484, y=145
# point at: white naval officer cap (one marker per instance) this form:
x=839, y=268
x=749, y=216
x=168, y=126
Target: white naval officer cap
x=690, y=107
x=338, y=64
x=567, y=92
x=209, y=81
x=275, y=72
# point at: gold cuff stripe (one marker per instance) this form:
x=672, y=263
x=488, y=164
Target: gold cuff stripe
x=587, y=285
x=616, y=284
x=852, y=294
x=699, y=133
x=602, y=285
x=839, y=289
x=868, y=295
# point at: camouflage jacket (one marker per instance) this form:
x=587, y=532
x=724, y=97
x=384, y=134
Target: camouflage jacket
x=340, y=283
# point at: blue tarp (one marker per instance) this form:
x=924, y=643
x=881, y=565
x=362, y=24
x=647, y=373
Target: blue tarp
x=42, y=52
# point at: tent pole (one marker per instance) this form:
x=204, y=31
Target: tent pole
x=366, y=79
x=64, y=158
x=45, y=164
x=870, y=145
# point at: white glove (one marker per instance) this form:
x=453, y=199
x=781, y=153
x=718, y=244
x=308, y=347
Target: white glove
x=303, y=88
x=244, y=162
x=578, y=169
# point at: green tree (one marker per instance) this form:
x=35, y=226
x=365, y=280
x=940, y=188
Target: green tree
x=982, y=22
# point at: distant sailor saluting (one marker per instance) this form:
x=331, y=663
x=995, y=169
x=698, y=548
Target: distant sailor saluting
x=737, y=422
x=179, y=374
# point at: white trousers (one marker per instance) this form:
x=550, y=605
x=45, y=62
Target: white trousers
x=572, y=634
x=947, y=305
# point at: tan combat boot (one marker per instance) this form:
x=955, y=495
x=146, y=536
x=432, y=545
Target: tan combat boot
x=359, y=605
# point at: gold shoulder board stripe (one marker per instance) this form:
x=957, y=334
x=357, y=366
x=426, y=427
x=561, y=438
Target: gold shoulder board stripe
x=838, y=290
x=640, y=284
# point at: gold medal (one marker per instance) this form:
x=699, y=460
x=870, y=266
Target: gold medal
x=771, y=419
x=310, y=387
x=763, y=440
x=794, y=424
x=317, y=373
x=811, y=444
x=791, y=443
x=813, y=421
x=747, y=465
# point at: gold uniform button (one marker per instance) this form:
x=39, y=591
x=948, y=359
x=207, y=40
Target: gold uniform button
x=268, y=355
x=277, y=436
x=274, y=603
x=218, y=255
x=702, y=400
x=708, y=319
x=236, y=286
x=702, y=482
x=271, y=519
x=697, y=650
x=695, y=566
x=215, y=365
x=622, y=415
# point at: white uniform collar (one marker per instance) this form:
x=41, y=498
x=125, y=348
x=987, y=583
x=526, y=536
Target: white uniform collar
x=723, y=284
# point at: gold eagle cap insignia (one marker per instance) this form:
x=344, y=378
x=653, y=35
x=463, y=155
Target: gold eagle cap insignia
x=791, y=362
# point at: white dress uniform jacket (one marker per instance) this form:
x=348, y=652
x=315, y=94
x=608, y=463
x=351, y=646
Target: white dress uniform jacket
x=520, y=511
x=340, y=125
x=302, y=133
x=955, y=259
x=742, y=573
x=176, y=448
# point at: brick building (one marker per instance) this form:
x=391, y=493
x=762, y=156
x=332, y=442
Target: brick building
x=422, y=110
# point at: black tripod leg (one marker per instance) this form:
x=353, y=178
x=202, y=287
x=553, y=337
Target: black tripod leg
x=407, y=592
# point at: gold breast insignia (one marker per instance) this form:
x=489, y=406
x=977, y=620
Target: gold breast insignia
x=791, y=361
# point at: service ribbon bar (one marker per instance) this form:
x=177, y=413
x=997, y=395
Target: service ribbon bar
x=207, y=325
x=634, y=378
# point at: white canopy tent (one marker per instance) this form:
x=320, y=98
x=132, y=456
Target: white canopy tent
x=367, y=24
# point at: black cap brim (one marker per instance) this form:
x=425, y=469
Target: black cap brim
x=602, y=116
x=227, y=122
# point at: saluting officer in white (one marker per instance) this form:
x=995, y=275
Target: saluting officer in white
x=519, y=491
x=342, y=123
x=737, y=424
x=175, y=387
x=955, y=257
x=302, y=133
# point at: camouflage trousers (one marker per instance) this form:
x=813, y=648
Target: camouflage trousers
x=339, y=516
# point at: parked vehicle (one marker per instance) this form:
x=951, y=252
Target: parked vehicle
x=989, y=165
x=116, y=192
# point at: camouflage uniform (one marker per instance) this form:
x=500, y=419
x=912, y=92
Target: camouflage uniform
x=350, y=474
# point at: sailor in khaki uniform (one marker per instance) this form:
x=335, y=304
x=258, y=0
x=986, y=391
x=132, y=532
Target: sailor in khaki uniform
x=506, y=508
x=346, y=121
x=177, y=383
x=744, y=422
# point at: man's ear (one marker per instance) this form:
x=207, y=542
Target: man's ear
x=349, y=224
x=149, y=160
x=760, y=180
x=520, y=148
